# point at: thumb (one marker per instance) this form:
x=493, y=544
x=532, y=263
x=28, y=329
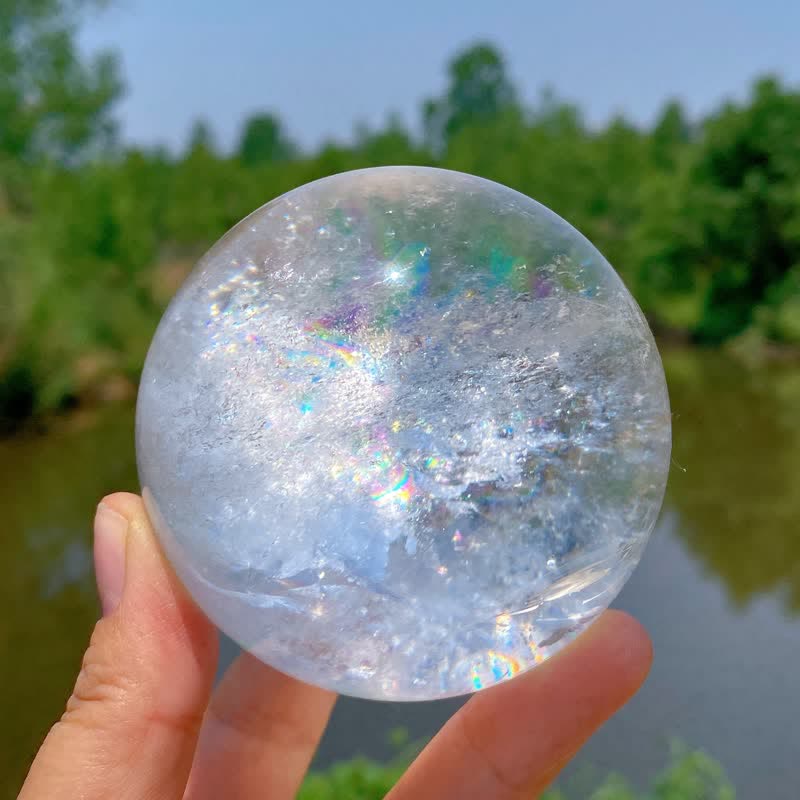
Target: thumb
x=131, y=725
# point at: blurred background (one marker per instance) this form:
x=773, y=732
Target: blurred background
x=133, y=134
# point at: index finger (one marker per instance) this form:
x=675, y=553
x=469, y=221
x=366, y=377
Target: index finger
x=512, y=740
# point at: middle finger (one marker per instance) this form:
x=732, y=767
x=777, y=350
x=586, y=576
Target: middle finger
x=259, y=734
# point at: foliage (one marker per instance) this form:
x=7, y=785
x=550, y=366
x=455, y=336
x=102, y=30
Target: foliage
x=53, y=104
x=701, y=219
x=263, y=140
x=691, y=775
x=479, y=91
x=731, y=227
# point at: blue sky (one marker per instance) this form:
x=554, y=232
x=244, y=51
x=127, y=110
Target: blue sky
x=325, y=65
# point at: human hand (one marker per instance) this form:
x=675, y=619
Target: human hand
x=144, y=724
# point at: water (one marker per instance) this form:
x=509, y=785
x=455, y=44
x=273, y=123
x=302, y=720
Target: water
x=718, y=588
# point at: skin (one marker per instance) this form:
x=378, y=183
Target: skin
x=144, y=722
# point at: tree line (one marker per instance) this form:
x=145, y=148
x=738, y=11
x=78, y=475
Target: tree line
x=700, y=217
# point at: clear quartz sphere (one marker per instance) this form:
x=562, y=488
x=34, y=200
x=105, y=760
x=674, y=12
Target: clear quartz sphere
x=403, y=433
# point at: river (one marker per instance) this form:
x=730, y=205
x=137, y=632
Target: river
x=718, y=588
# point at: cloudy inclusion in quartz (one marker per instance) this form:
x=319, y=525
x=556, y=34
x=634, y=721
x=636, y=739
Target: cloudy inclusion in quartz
x=403, y=433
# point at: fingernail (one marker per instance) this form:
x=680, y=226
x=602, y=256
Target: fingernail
x=110, y=533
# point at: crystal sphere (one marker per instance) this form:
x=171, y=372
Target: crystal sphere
x=403, y=433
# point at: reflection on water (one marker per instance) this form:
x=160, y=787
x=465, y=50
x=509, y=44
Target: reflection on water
x=737, y=438
x=733, y=506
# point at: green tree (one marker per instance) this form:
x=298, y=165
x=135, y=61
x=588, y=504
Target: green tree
x=391, y=144
x=201, y=140
x=725, y=226
x=54, y=104
x=615, y=165
x=479, y=90
x=747, y=174
x=670, y=136
x=204, y=193
x=264, y=140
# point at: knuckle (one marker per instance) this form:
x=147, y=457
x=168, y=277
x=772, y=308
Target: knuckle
x=183, y=723
x=119, y=690
x=99, y=682
x=265, y=725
